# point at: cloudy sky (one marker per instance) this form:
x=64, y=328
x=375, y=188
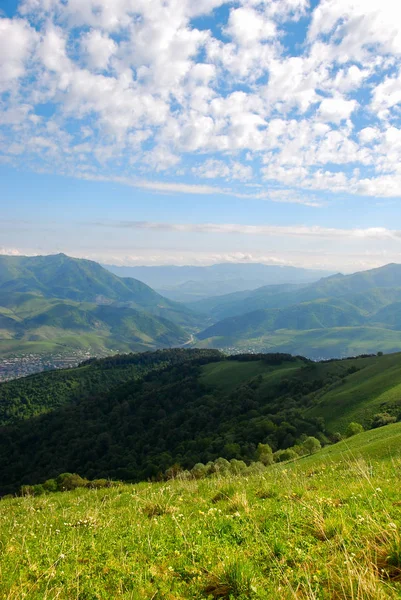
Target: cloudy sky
x=201, y=131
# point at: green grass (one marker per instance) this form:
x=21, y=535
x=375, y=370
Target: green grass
x=324, y=527
x=374, y=388
x=228, y=375
x=315, y=343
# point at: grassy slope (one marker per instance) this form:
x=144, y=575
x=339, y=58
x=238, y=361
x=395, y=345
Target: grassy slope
x=228, y=375
x=315, y=343
x=375, y=387
x=55, y=325
x=324, y=527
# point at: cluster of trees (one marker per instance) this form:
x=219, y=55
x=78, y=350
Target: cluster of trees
x=132, y=417
x=140, y=427
x=30, y=396
x=65, y=483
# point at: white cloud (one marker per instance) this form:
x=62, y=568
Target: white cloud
x=16, y=43
x=247, y=26
x=99, y=48
x=336, y=110
x=262, y=230
x=135, y=87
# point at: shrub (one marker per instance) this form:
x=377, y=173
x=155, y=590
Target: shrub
x=27, y=490
x=98, y=484
x=199, y=471
x=353, y=429
x=311, y=445
x=381, y=419
x=50, y=485
x=283, y=455
x=70, y=481
x=237, y=466
x=264, y=454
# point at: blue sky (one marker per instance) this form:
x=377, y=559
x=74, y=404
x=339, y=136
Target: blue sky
x=193, y=132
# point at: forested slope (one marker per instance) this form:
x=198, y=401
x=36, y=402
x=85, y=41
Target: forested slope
x=197, y=407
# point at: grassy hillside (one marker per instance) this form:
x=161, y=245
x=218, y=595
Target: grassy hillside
x=325, y=526
x=60, y=276
x=52, y=323
x=315, y=343
x=367, y=291
x=201, y=406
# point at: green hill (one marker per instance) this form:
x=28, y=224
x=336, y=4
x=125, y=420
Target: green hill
x=367, y=290
x=59, y=304
x=359, y=313
x=60, y=276
x=201, y=406
x=55, y=324
x=324, y=526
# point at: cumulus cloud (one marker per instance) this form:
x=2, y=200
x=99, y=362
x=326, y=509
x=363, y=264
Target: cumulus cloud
x=129, y=88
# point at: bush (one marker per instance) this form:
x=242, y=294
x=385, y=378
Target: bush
x=27, y=490
x=50, y=485
x=353, y=429
x=381, y=419
x=199, y=471
x=283, y=455
x=264, y=454
x=98, y=484
x=70, y=481
x=237, y=466
x=311, y=445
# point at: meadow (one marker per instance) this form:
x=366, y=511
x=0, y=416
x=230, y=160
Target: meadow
x=323, y=527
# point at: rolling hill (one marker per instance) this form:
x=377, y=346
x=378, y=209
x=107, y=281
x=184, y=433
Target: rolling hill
x=368, y=290
x=326, y=525
x=183, y=406
x=191, y=283
x=58, y=303
x=60, y=276
x=337, y=316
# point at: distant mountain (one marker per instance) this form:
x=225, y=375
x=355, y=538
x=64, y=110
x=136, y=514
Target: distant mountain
x=320, y=314
x=58, y=303
x=190, y=283
x=60, y=276
x=367, y=289
x=335, y=316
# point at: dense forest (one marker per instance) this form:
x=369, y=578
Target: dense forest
x=132, y=417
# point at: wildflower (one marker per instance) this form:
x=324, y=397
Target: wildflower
x=392, y=525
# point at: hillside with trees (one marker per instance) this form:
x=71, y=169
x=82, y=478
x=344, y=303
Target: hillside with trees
x=148, y=412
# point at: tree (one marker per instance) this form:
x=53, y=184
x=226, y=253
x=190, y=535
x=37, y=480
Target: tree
x=381, y=419
x=353, y=428
x=264, y=454
x=311, y=445
x=284, y=455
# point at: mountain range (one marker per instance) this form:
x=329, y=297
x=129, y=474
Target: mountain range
x=191, y=283
x=335, y=316
x=50, y=303
x=57, y=303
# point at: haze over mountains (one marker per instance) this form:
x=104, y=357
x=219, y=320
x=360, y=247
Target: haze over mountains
x=190, y=283
x=338, y=315
x=50, y=303
x=56, y=302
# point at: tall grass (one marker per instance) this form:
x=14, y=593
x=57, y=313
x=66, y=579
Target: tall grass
x=326, y=527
